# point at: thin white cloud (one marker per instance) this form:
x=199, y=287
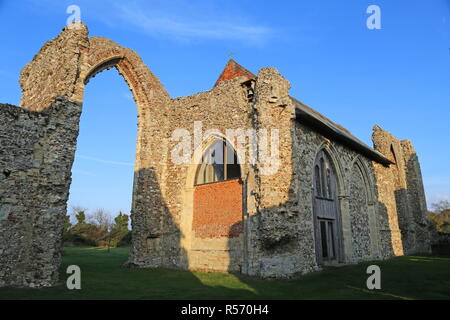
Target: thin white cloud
x=180, y=20
x=119, y=163
x=188, y=27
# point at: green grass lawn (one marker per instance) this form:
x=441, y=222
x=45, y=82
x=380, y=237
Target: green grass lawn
x=102, y=277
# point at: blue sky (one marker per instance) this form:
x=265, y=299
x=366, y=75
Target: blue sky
x=397, y=77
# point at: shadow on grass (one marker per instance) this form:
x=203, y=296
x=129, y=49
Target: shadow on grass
x=104, y=278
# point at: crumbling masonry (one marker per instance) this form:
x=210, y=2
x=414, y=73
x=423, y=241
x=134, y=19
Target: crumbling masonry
x=332, y=200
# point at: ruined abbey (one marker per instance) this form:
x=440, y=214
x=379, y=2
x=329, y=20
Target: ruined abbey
x=311, y=195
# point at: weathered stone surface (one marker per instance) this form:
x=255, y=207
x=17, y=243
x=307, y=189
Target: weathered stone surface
x=359, y=216
x=54, y=70
x=402, y=194
x=36, y=155
x=381, y=207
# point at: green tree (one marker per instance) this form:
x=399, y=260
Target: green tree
x=440, y=217
x=97, y=229
x=81, y=217
x=67, y=223
x=120, y=232
x=121, y=221
x=83, y=233
x=80, y=214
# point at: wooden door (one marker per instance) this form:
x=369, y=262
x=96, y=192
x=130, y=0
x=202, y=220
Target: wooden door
x=326, y=210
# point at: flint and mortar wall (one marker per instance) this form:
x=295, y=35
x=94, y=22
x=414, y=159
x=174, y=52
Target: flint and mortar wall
x=360, y=217
x=224, y=107
x=270, y=198
x=275, y=243
x=402, y=194
x=36, y=155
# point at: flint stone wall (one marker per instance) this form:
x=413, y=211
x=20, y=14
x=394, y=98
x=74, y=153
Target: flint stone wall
x=356, y=192
x=36, y=155
x=402, y=194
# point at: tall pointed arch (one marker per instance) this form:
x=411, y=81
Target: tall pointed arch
x=326, y=207
x=359, y=214
x=53, y=84
x=213, y=206
x=218, y=192
x=362, y=205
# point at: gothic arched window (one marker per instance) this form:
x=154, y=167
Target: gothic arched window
x=323, y=176
x=219, y=163
x=329, y=183
x=317, y=178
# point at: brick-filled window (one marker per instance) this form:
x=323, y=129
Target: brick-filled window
x=219, y=163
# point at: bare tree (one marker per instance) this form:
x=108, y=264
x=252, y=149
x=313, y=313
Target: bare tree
x=104, y=220
x=101, y=218
x=441, y=206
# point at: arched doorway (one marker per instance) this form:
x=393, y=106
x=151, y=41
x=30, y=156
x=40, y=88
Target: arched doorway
x=360, y=215
x=217, y=218
x=327, y=222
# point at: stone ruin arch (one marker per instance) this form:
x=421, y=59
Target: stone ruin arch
x=52, y=95
x=65, y=64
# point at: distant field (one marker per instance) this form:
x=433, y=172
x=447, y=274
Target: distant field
x=416, y=277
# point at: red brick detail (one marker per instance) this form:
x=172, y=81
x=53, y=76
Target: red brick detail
x=233, y=70
x=218, y=210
